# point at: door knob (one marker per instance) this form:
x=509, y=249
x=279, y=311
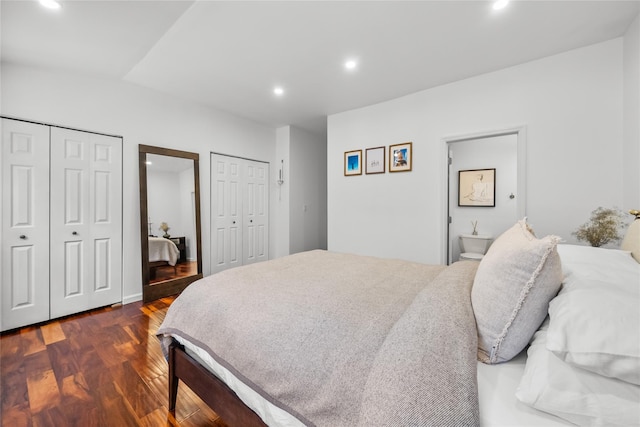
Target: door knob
x=75, y=233
x=23, y=237
x=511, y=196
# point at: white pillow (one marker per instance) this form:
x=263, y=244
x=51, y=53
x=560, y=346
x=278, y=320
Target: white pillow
x=631, y=241
x=595, y=319
x=514, y=283
x=594, y=262
x=581, y=397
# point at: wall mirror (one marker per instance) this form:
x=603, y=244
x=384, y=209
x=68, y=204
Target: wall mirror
x=169, y=220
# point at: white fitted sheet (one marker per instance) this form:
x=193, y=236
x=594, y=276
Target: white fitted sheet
x=497, y=386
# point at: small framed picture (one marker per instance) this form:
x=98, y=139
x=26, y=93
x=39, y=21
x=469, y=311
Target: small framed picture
x=375, y=160
x=353, y=162
x=400, y=157
x=477, y=187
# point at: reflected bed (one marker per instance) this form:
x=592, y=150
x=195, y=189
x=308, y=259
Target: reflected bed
x=162, y=252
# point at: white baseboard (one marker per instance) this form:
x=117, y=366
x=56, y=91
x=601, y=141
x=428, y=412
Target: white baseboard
x=131, y=298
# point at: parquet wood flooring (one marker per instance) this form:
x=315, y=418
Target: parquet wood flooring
x=99, y=368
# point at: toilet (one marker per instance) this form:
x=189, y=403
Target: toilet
x=473, y=247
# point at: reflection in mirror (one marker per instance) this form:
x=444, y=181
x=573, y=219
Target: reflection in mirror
x=170, y=220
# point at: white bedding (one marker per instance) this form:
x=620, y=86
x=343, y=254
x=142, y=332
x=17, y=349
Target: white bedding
x=161, y=249
x=497, y=385
x=583, y=362
x=583, y=397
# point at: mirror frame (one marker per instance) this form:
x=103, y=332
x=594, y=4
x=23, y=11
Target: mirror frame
x=174, y=286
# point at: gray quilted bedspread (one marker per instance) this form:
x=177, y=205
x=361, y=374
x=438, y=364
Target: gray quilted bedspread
x=342, y=340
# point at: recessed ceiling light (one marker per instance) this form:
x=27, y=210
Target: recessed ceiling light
x=500, y=4
x=278, y=91
x=51, y=4
x=350, y=64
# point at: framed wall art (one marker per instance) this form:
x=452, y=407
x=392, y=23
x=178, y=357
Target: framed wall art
x=375, y=160
x=400, y=157
x=353, y=162
x=477, y=187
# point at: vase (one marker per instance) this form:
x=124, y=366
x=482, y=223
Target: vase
x=166, y=235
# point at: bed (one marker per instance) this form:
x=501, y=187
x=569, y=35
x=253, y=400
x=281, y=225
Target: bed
x=322, y=338
x=162, y=252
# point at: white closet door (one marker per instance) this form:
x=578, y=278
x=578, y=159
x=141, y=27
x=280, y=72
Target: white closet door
x=25, y=223
x=226, y=212
x=86, y=221
x=255, y=214
x=105, y=215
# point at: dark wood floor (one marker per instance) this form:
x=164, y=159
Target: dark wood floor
x=100, y=368
x=167, y=272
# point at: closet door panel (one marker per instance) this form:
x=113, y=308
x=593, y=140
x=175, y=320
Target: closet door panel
x=226, y=206
x=249, y=208
x=73, y=197
x=262, y=216
x=105, y=213
x=73, y=263
x=86, y=214
x=255, y=215
x=69, y=225
x=103, y=253
x=25, y=224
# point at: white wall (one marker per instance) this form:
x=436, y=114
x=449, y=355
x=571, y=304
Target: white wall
x=632, y=116
x=301, y=200
x=163, y=204
x=308, y=195
x=187, y=204
x=571, y=105
x=141, y=116
x=281, y=192
x=170, y=200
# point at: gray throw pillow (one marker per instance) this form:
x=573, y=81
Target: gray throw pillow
x=514, y=283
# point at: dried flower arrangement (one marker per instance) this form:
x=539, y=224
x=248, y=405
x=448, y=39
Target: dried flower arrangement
x=603, y=227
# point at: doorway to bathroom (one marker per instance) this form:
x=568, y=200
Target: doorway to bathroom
x=486, y=185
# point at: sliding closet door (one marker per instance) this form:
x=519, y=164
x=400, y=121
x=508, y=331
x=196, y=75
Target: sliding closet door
x=86, y=221
x=25, y=223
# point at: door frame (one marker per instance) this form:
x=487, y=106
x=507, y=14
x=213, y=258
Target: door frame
x=521, y=202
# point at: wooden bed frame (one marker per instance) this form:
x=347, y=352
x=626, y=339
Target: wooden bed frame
x=215, y=393
x=155, y=264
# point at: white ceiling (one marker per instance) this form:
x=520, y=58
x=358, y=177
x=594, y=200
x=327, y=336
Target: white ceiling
x=230, y=54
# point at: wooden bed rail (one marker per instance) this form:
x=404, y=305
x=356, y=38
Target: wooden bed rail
x=220, y=398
